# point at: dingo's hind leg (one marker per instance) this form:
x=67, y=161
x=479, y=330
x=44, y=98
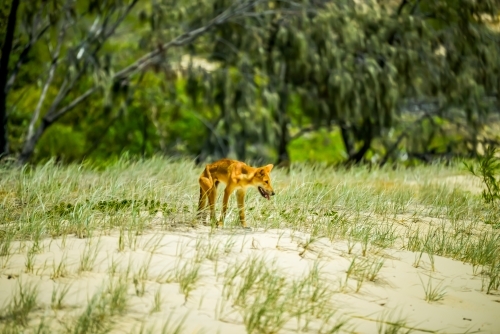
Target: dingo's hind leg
x=212, y=197
x=206, y=185
x=202, y=203
x=227, y=192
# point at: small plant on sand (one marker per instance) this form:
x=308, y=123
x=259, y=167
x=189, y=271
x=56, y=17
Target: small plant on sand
x=169, y=327
x=433, y=293
x=5, y=247
x=104, y=304
x=21, y=304
x=158, y=300
x=141, y=277
x=117, y=294
x=491, y=276
x=306, y=244
x=89, y=256
x=95, y=317
x=174, y=327
x=59, y=270
x=265, y=312
x=389, y=324
x=58, y=295
x=30, y=261
x=488, y=170
x=363, y=269
x=267, y=299
x=187, y=276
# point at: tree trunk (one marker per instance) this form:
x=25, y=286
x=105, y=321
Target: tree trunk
x=144, y=134
x=346, y=138
x=367, y=137
x=281, y=117
x=284, y=135
x=212, y=144
x=4, y=70
x=358, y=156
x=283, y=154
x=241, y=145
x=392, y=149
x=30, y=143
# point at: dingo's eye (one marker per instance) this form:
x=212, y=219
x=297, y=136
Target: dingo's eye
x=266, y=182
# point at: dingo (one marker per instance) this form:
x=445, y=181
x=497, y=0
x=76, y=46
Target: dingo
x=237, y=176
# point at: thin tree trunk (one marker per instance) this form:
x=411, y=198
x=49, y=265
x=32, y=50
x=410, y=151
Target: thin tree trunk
x=401, y=6
x=284, y=135
x=367, y=131
x=144, y=134
x=392, y=149
x=4, y=71
x=241, y=145
x=52, y=70
x=344, y=131
x=358, y=156
x=212, y=141
x=96, y=143
x=30, y=143
x=283, y=120
x=159, y=129
x=281, y=117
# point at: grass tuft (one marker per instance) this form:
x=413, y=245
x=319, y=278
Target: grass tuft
x=22, y=303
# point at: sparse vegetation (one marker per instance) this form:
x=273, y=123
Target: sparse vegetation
x=368, y=106
x=149, y=254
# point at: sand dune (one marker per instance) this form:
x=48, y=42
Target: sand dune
x=396, y=293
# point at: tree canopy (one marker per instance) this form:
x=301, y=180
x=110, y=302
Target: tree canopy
x=214, y=78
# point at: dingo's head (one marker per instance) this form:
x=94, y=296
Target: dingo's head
x=262, y=180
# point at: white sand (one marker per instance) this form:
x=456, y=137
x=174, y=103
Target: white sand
x=397, y=292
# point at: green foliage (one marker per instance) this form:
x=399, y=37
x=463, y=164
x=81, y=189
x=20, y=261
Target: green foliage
x=62, y=141
x=113, y=206
x=487, y=170
x=320, y=146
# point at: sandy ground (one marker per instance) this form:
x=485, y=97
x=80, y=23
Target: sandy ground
x=397, y=292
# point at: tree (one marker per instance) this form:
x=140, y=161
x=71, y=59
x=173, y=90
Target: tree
x=366, y=62
x=251, y=87
x=356, y=66
x=88, y=62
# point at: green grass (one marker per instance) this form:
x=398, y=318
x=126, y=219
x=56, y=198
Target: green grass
x=370, y=210
x=433, y=293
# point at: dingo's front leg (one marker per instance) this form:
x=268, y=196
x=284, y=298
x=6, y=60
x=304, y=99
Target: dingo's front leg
x=240, y=196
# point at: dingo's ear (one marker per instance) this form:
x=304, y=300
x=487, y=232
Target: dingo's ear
x=268, y=168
